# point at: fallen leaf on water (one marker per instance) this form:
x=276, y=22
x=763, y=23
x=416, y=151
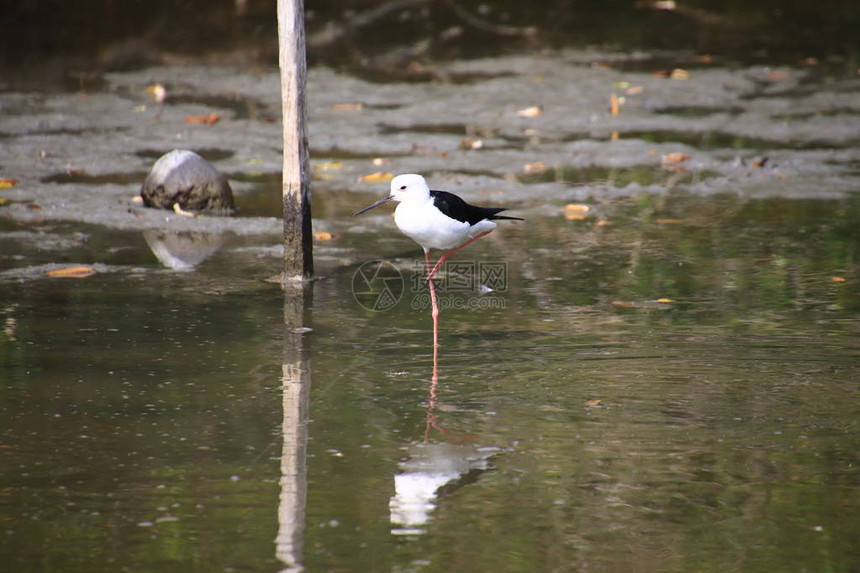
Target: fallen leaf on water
x=325, y=236
x=350, y=106
x=603, y=223
x=613, y=136
x=613, y=104
x=592, y=403
x=669, y=221
x=329, y=165
x=576, y=207
x=77, y=272
x=674, y=157
x=157, y=91
x=665, y=300
x=634, y=90
x=207, y=119
x=573, y=216
x=377, y=177
x=679, y=74
x=533, y=111
x=7, y=183
x=837, y=279
x=622, y=304
x=534, y=168
x=471, y=143
x=777, y=75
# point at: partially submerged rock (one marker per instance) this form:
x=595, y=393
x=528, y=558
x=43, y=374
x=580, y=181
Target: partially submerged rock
x=182, y=180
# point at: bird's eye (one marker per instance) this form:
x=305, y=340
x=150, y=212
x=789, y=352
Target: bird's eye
x=403, y=187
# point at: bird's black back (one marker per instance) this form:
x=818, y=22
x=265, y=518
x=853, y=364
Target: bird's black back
x=456, y=208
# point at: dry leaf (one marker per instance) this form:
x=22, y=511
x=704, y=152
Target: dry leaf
x=34, y=207
x=613, y=136
x=534, y=168
x=324, y=236
x=592, y=403
x=207, y=119
x=354, y=106
x=675, y=157
x=613, y=104
x=533, y=111
x=577, y=208
x=603, y=223
x=158, y=92
x=573, y=216
x=837, y=279
x=377, y=177
x=634, y=90
x=77, y=272
x=7, y=183
x=679, y=74
x=777, y=75
x=665, y=300
x=329, y=165
x=622, y=304
x=471, y=143
x=669, y=221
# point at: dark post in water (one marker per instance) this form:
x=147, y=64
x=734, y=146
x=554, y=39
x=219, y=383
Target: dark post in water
x=298, y=235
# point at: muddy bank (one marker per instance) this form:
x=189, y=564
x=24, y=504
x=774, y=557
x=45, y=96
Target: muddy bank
x=527, y=131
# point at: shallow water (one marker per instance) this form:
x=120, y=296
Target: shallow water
x=669, y=384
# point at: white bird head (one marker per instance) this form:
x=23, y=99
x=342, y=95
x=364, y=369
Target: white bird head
x=407, y=187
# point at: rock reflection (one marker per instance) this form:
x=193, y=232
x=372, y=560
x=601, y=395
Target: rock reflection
x=183, y=251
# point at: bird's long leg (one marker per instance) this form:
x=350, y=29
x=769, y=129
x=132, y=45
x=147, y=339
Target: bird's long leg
x=442, y=259
x=435, y=311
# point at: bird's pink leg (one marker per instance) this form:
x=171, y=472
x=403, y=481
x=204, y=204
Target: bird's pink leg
x=451, y=252
x=435, y=311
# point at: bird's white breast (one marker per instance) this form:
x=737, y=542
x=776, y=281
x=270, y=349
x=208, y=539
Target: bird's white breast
x=422, y=222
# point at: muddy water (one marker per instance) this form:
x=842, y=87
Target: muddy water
x=668, y=384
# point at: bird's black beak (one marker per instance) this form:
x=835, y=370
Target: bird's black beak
x=377, y=204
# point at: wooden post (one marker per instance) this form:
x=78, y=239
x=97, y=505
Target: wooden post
x=298, y=234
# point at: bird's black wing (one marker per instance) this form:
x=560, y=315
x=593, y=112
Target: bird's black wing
x=456, y=208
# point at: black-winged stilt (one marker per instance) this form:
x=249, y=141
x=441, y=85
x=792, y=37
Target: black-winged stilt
x=436, y=220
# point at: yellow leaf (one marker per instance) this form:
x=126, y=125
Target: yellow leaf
x=622, y=304
x=7, y=183
x=577, y=208
x=665, y=300
x=837, y=279
x=3, y=201
x=377, y=177
x=325, y=236
x=679, y=74
x=613, y=104
x=328, y=165
x=77, y=272
x=572, y=216
x=592, y=403
x=353, y=106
